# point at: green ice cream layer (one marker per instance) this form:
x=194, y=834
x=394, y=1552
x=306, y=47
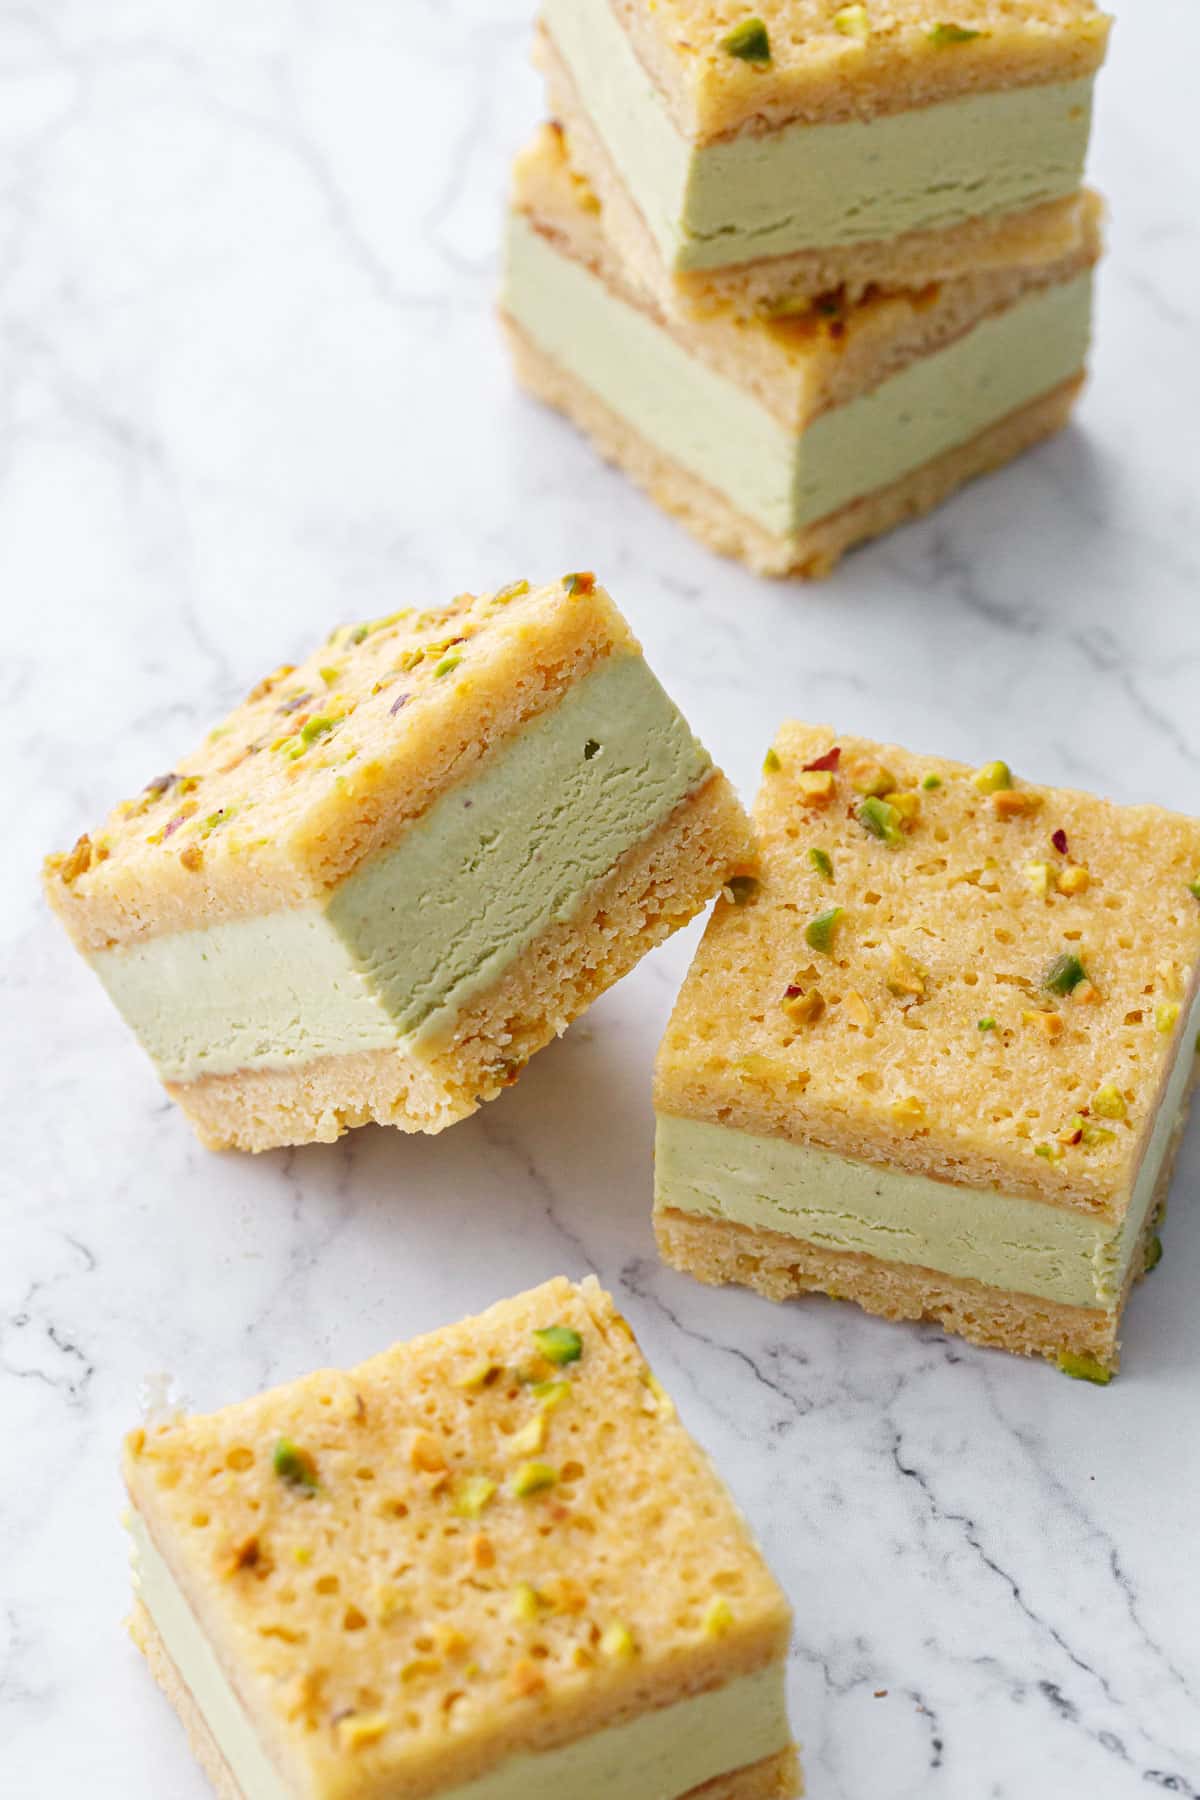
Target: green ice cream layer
x=836, y=1203
x=656, y=1756
x=777, y=478
x=401, y=945
x=808, y=186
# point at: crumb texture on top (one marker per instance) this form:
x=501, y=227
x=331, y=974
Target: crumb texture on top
x=828, y=60
x=492, y=1539
x=952, y=971
x=327, y=761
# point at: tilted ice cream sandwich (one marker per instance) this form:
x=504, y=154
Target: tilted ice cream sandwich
x=489, y=1564
x=755, y=158
x=938, y=1061
x=398, y=869
x=786, y=441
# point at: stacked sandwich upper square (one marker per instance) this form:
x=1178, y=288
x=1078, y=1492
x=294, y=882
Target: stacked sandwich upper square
x=871, y=202
x=400, y=868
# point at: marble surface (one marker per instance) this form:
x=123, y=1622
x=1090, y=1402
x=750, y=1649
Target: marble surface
x=250, y=383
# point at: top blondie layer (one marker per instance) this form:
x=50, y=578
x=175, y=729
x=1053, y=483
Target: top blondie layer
x=724, y=67
x=489, y=1542
x=325, y=762
x=949, y=971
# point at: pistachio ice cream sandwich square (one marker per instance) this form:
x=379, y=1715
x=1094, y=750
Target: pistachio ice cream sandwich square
x=488, y=1564
x=401, y=867
x=755, y=156
x=786, y=441
x=938, y=1059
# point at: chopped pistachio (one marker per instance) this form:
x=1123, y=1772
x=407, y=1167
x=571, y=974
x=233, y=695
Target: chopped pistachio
x=1075, y=880
x=881, y=820
x=1050, y=1152
x=330, y=675
x=1092, y=1137
x=816, y=786
x=472, y=1495
x=870, y=777
x=513, y=591
x=295, y=1466
x=1064, y=974
x=944, y=35
x=1193, y=888
x=616, y=1642
x=316, y=727
x=718, y=1617
x=1154, y=1250
x=581, y=581
x=992, y=777
x=906, y=979
x=741, y=889
x=804, y=1006
x=858, y=1010
x=1050, y=1024
x=550, y=1394
x=987, y=1023
x=559, y=1343
x=447, y=665
x=1109, y=1102
x=822, y=862
x=819, y=932
x=1166, y=1014
x=531, y=1437
x=525, y=1603
x=1037, y=874
x=533, y=1478
x=931, y=782
x=1084, y=1368
x=772, y=762
x=748, y=41
x=851, y=21
x=479, y=1374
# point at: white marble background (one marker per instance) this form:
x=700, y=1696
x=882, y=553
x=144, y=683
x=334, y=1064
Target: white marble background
x=249, y=384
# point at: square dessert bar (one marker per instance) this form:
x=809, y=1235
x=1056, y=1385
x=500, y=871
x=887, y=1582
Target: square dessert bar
x=784, y=442
x=938, y=1062
x=755, y=158
x=488, y=1564
x=400, y=868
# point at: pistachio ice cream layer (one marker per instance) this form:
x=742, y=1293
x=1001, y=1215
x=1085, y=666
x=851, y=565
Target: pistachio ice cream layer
x=398, y=947
x=835, y=1203
x=801, y=186
x=777, y=478
x=662, y=1753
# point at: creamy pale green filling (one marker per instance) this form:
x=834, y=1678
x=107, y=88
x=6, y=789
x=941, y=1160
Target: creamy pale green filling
x=808, y=186
x=401, y=945
x=1003, y=1240
x=780, y=479
x=657, y=1756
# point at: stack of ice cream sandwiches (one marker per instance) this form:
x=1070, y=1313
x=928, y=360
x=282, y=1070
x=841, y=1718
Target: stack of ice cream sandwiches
x=804, y=272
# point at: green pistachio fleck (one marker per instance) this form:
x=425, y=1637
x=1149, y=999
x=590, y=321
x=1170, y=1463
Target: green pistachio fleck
x=1064, y=974
x=295, y=1466
x=941, y=35
x=359, y=633
x=821, y=861
x=550, y=1394
x=818, y=933
x=1193, y=888
x=851, y=21
x=330, y=674
x=931, y=782
x=741, y=888
x=447, y=664
x=316, y=727
x=1050, y=1152
x=581, y=581
x=1153, y=1255
x=533, y=1478
x=1084, y=1368
x=881, y=819
x=988, y=1024
x=749, y=42
x=513, y=591
x=771, y=762
x=992, y=777
x=559, y=1343
x=472, y=1495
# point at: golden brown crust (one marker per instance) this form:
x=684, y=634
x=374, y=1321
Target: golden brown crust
x=815, y=551
x=1047, y=233
x=959, y=921
x=775, y=1778
x=396, y=712
x=352, y=1610
x=798, y=367
x=818, y=74
x=653, y=890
